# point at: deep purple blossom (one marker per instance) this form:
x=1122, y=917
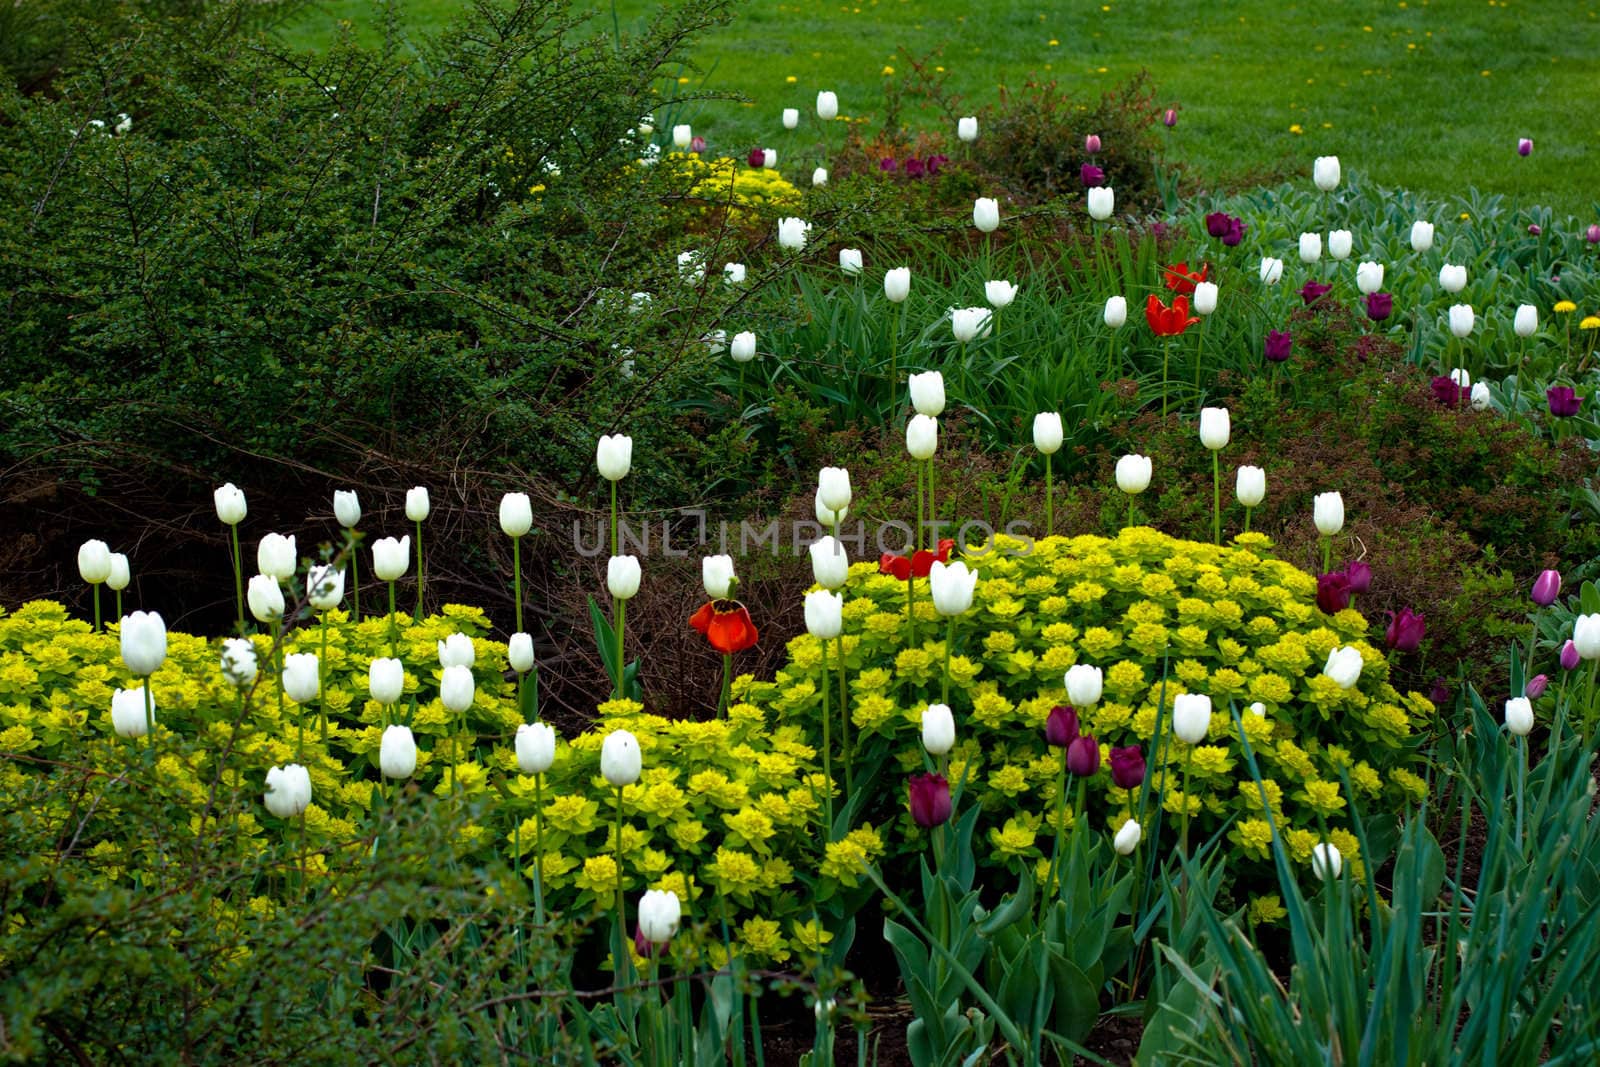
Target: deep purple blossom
x=1564, y=402
x=1333, y=592
x=1379, y=306
x=1091, y=176
x=1313, y=291
x=1278, y=346
x=1405, y=631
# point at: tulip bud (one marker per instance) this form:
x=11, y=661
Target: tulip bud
x=620, y=761
x=1339, y=244
x=1452, y=279
x=743, y=349
x=824, y=614
x=397, y=753
x=1116, y=311
x=536, y=747
x=324, y=586
x=1421, y=236
x=276, y=557
x=614, y=456
x=1102, y=202
x=1271, y=270
x=969, y=323
x=386, y=680
x=716, y=574
x=1060, y=727
x=1127, y=838
x=930, y=802
x=1251, y=487
x=417, y=505
x=1524, y=146
x=1569, y=656
x=733, y=273
x=986, y=214
x=792, y=233
x=791, y=117
x=681, y=136
x=897, y=284
x=301, y=680
x=659, y=914
x=1586, y=636
x=1047, y=432
x=128, y=712
x=1358, y=573
x=519, y=652
x=1526, y=322
x=819, y=176
x=1546, y=588
x=938, y=729
x=288, y=791
x=1191, y=717
x=1325, y=861
x=238, y=662
x=922, y=436
x=999, y=293
x=952, y=586
x=1405, y=631
x=144, y=642
x=967, y=128
x=230, y=504
x=1344, y=666
x=1133, y=473
x=1310, y=247
x=1327, y=512
x=121, y=574
x=1325, y=173
x=1519, y=716
x=1480, y=398
x=927, y=393
x=1127, y=766
x=1169, y=118
x=265, y=597
x=1083, y=756
x=1369, y=277
x=457, y=688
x=622, y=576
x=1536, y=686
x=833, y=488
x=850, y=260
x=389, y=558
x=827, y=106
x=94, y=562
x=1461, y=319
x=1085, y=684
x=829, y=564
x=346, y=508
x=516, y=514
x=1214, y=428
x=1091, y=144
x=457, y=650
x=1205, y=298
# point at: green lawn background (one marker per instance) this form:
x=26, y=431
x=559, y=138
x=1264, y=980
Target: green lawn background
x=1426, y=94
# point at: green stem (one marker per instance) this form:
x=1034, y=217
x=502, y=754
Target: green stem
x=422, y=580
x=302, y=856
x=613, y=518
x=355, y=583
x=394, y=630
x=1216, y=498
x=1327, y=554
x=149, y=709
x=1522, y=781
x=1049, y=499
x=119, y=604
x=916, y=537
x=1130, y=509
x=623, y=962
x=827, y=746
x=322, y=680
x=516, y=577
x=1183, y=833
x=949, y=639
x=98, y=625
x=727, y=686
x=844, y=719
x=1199, y=346
x=538, y=849
x=933, y=515
x=1166, y=357
x=894, y=360
x=238, y=576
x=619, y=612
x=1247, y=512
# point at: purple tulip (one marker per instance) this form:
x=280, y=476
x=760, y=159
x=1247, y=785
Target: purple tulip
x=1447, y=392
x=1218, y=223
x=1083, y=756
x=1536, y=687
x=915, y=167
x=1091, y=143
x=1564, y=401
x=1127, y=766
x=1170, y=118
x=1439, y=695
x=757, y=157
x=1569, y=656
x=930, y=800
x=1313, y=291
x=1333, y=592
x=1525, y=147
x=1278, y=345
x=697, y=145
x=1358, y=575
x=1546, y=588
x=1405, y=631
x=1533, y=229
x=1592, y=234
x=887, y=165
x=1091, y=176
x=1061, y=727
x=1379, y=306
x=1235, y=233
x=935, y=163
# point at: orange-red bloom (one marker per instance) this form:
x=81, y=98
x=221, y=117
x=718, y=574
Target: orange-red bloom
x=726, y=624
x=1168, y=321
x=917, y=565
x=1180, y=279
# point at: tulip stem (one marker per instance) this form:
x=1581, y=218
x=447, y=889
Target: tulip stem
x=516, y=577
x=619, y=611
x=1327, y=553
x=727, y=685
x=238, y=577
x=1199, y=346
x=98, y=627
x=894, y=361
x=1183, y=832
x=827, y=748
x=1247, y=512
x=422, y=579
x=1216, y=498
x=1522, y=781
x=119, y=604
x=393, y=630
x=916, y=538
x=355, y=582
x=621, y=960
x=1130, y=510
x=538, y=849
x=149, y=710
x=302, y=857
x=613, y=518
x=1049, y=499
x=844, y=718
x=1166, y=357
x=322, y=680
x=933, y=520
x=949, y=639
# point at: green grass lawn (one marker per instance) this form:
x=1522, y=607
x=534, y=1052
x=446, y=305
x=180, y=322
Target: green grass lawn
x=1427, y=95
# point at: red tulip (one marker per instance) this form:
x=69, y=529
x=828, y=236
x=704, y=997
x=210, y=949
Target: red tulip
x=726, y=624
x=1168, y=321
x=1180, y=279
x=916, y=565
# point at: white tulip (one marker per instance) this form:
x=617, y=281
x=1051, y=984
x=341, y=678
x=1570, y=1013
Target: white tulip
x=1133, y=473
x=397, y=753
x=417, y=505
x=659, y=914
x=239, y=662
x=301, y=680
x=1421, y=236
x=1214, y=428
x=1586, y=636
x=1127, y=838
x=827, y=106
x=999, y=293
x=121, y=573
x=128, y=712
x=1325, y=173
x=819, y=176
x=516, y=514
x=230, y=504
x=1339, y=244
x=457, y=650
x=952, y=585
x=986, y=214
x=1519, y=716
x=1452, y=279
x=938, y=729
x=1461, y=377
x=682, y=135
x=769, y=158
x=620, y=761
x=927, y=393
x=833, y=488
x=791, y=117
x=265, y=598
x=1047, y=432
x=897, y=284
x=1310, y=247
x=1252, y=486
x=967, y=324
x=324, y=586
x=1344, y=666
x=824, y=614
x=1116, y=311
x=622, y=576
x=967, y=128
x=94, y=561
x=457, y=688
x=1526, y=322
x=1259, y=710
x=733, y=273
x=1325, y=861
x=1205, y=298
x=1461, y=319
x=1102, y=202
x=1085, y=685
x=1369, y=277
x=536, y=747
x=691, y=267
x=830, y=566
x=519, y=652
x=1327, y=513
x=792, y=233
x=1480, y=398
x=922, y=436
x=743, y=349
x=1271, y=270
x=346, y=508
x=716, y=574
x=613, y=456
x=386, y=680
x=277, y=557
x=850, y=261
x=1191, y=717
x=288, y=791
x=144, y=642
x=390, y=557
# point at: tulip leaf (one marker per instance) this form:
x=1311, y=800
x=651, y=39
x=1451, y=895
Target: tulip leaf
x=1589, y=597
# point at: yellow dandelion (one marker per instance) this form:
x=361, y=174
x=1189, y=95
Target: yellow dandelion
x=1054, y=42
x=1565, y=307
x=791, y=79
x=1466, y=216
x=1590, y=322
x=887, y=71
x=1295, y=128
